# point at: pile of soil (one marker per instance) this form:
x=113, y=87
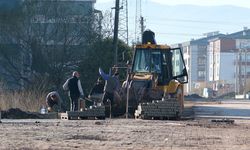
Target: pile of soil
x=16, y=113
x=193, y=96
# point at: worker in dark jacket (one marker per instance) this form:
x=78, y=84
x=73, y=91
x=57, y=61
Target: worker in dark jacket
x=74, y=87
x=96, y=92
x=53, y=101
x=112, y=86
x=98, y=87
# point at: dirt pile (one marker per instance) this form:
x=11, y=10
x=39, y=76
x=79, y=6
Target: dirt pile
x=16, y=113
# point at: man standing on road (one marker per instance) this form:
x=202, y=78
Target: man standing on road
x=74, y=87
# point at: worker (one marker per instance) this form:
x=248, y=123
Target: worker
x=111, y=87
x=98, y=87
x=74, y=88
x=97, y=91
x=156, y=63
x=53, y=102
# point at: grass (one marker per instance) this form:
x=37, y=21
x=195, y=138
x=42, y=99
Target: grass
x=25, y=100
x=30, y=99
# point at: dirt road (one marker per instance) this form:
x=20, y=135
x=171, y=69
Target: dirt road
x=124, y=134
x=115, y=134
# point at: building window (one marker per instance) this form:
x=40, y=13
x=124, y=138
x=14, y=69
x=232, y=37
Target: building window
x=201, y=61
x=177, y=63
x=201, y=74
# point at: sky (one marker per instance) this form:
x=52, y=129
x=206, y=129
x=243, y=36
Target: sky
x=182, y=26
x=241, y=3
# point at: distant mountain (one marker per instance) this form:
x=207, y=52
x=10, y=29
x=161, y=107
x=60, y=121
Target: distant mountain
x=179, y=23
x=213, y=13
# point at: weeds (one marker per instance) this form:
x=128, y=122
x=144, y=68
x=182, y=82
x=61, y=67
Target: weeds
x=30, y=99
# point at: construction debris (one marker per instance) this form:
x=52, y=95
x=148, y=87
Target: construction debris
x=224, y=120
x=96, y=112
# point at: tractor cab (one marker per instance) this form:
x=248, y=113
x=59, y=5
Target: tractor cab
x=159, y=60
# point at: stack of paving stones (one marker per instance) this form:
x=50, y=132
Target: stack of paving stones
x=158, y=109
x=96, y=112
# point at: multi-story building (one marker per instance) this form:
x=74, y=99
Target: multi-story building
x=218, y=63
x=229, y=64
x=242, y=72
x=195, y=56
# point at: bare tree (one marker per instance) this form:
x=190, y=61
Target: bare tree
x=107, y=25
x=50, y=37
x=15, y=48
x=64, y=38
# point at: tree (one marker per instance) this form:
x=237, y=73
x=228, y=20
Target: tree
x=107, y=25
x=101, y=55
x=64, y=37
x=53, y=37
x=15, y=55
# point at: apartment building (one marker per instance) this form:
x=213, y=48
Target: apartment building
x=221, y=64
x=195, y=56
x=218, y=63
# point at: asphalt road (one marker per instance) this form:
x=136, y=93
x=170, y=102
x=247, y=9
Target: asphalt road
x=232, y=109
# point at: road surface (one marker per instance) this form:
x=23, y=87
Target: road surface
x=195, y=132
x=232, y=109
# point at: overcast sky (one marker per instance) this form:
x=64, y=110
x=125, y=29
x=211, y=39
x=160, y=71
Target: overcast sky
x=241, y=3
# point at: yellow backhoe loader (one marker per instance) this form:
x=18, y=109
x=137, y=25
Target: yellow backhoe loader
x=156, y=80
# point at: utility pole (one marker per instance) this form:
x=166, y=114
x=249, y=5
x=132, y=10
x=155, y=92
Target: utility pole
x=214, y=82
x=240, y=72
x=116, y=23
x=142, y=26
x=236, y=88
x=245, y=74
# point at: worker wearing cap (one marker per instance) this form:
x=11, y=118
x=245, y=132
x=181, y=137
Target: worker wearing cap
x=53, y=101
